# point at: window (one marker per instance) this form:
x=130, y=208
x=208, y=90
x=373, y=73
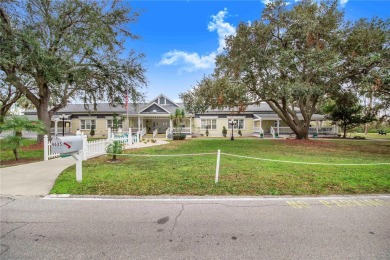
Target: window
x=86, y=124
x=210, y=123
x=238, y=124
x=110, y=124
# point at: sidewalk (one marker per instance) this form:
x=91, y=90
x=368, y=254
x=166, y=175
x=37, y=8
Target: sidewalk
x=34, y=178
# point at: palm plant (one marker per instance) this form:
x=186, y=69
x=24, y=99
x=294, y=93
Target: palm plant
x=17, y=125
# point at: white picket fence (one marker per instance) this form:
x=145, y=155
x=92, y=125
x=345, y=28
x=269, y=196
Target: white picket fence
x=95, y=147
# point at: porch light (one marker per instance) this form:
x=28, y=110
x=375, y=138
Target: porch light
x=231, y=122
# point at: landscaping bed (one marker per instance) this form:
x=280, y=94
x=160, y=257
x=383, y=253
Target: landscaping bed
x=138, y=174
x=31, y=151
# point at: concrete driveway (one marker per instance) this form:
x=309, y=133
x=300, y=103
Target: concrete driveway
x=32, y=179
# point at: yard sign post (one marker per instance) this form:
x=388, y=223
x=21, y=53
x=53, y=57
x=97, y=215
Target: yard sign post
x=217, y=168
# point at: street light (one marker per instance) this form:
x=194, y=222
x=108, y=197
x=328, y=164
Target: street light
x=231, y=122
x=63, y=117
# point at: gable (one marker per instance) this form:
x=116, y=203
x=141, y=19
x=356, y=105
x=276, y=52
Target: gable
x=154, y=109
x=164, y=101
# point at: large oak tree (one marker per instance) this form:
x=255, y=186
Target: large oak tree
x=69, y=49
x=291, y=58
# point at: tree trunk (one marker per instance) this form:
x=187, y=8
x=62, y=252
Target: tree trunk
x=45, y=116
x=16, y=153
x=345, y=131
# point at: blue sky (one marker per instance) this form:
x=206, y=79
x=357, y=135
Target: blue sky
x=181, y=38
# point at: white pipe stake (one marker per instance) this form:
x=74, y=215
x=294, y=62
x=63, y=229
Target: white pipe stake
x=217, y=168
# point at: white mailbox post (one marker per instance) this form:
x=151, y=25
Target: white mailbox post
x=72, y=145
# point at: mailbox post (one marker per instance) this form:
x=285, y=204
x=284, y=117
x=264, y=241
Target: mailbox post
x=70, y=145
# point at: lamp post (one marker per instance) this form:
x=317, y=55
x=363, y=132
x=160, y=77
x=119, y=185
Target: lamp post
x=231, y=122
x=63, y=117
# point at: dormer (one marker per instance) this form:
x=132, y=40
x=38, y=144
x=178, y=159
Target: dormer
x=163, y=101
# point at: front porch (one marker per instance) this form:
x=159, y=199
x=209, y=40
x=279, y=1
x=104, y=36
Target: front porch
x=159, y=125
x=273, y=126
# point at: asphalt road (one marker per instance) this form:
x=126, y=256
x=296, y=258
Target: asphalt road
x=235, y=228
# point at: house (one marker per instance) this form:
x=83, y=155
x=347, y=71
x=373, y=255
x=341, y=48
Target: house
x=155, y=118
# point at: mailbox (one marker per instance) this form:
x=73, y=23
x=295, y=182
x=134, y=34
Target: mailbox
x=67, y=144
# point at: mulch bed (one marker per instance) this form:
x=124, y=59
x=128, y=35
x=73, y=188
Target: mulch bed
x=33, y=147
x=19, y=162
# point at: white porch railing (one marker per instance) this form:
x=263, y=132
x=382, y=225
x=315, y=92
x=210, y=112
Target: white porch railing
x=167, y=133
x=183, y=130
x=257, y=131
x=272, y=132
x=155, y=132
x=143, y=132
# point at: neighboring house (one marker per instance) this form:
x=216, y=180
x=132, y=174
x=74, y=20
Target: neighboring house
x=155, y=117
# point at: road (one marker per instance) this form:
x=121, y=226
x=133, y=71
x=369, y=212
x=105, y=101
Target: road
x=197, y=228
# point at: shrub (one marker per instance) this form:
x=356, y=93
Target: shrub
x=224, y=131
x=239, y=132
x=179, y=137
x=359, y=137
x=92, y=132
x=114, y=148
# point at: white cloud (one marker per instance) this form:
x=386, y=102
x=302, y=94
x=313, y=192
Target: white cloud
x=343, y=2
x=223, y=28
x=194, y=61
x=265, y=2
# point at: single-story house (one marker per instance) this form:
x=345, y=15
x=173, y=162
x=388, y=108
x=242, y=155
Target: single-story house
x=155, y=118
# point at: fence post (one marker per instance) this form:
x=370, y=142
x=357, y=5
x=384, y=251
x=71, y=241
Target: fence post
x=45, y=148
x=217, y=168
x=109, y=133
x=85, y=148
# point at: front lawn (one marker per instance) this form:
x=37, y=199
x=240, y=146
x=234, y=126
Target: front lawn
x=194, y=175
x=29, y=152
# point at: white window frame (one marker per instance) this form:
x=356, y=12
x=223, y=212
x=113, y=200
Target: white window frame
x=236, y=122
x=92, y=122
x=120, y=123
x=208, y=122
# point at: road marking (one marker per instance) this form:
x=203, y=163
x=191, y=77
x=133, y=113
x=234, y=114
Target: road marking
x=341, y=203
x=298, y=204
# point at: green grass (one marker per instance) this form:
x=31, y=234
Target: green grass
x=372, y=135
x=194, y=175
x=7, y=157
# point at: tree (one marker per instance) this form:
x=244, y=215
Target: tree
x=291, y=58
x=177, y=118
x=17, y=124
x=69, y=49
x=8, y=97
x=346, y=112
x=115, y=148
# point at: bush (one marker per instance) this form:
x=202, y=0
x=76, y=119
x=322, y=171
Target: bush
x=359, y=137
x=115, y=148
x=179, y=137
x=239, y=133
x=92, y=132
x=224, y=131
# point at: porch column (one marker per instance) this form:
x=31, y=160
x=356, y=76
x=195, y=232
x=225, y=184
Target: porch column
x=55, y=126
x=190, y=125
x=277, y=125
x=261, y=127
x=317, y=123
x=139, y=123
x=171, y=126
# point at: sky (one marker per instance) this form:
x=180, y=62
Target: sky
x=181, y=38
